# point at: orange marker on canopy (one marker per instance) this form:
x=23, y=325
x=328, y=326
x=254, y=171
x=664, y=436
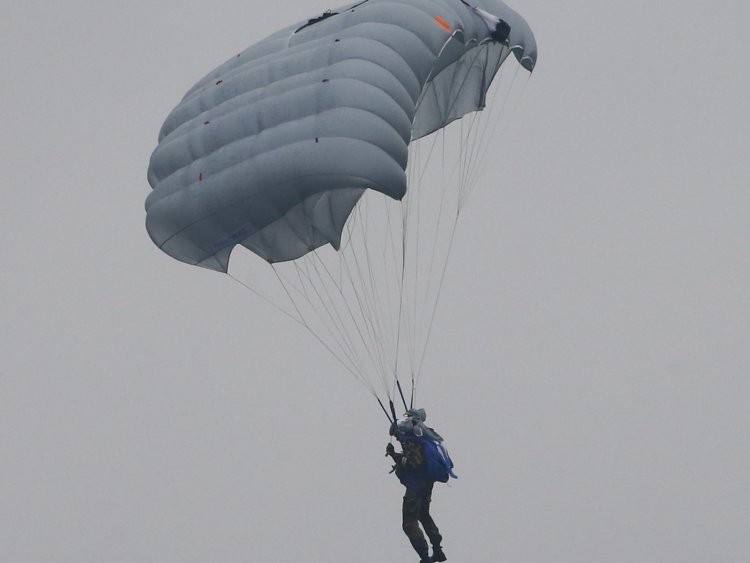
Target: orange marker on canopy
x=444, y=24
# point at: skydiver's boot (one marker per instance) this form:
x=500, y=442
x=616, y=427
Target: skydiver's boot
x=437, y=553
x=420, y=546
x=424, y=556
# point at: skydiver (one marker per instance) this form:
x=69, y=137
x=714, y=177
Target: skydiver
x=412, y=467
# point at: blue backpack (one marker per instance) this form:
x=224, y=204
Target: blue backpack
x=438, y=464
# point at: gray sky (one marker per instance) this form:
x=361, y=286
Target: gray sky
x=589, y=364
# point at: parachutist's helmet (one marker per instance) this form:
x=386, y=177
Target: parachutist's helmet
x=417, y=415
x=404, y=427
x=411, y=424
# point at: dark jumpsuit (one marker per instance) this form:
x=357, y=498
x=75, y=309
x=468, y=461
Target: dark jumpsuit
x=416, y=508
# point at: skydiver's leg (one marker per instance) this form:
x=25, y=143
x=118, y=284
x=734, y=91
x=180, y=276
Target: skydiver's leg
x=429, y=526
x=410, y=523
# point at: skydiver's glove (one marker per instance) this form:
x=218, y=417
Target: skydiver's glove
x=390, y=450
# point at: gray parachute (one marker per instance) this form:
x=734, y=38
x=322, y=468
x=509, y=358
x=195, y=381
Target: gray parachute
x=273, y=149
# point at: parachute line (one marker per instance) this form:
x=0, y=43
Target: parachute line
x=440, y=288
x=319, y=339
x=385, y=411
x=267, y=300
x=401, y=392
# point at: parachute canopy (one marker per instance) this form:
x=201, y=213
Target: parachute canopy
x=274, y=148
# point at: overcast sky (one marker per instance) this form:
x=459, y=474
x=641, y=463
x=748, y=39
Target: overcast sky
x=589, y=363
